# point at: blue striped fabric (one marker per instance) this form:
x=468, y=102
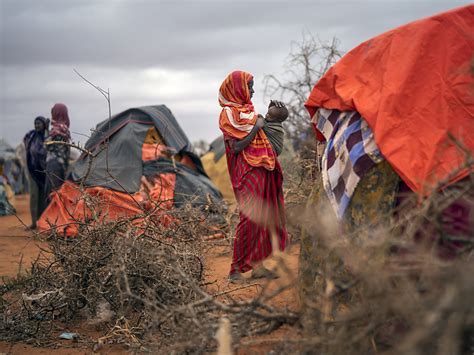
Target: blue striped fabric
x=350, y=152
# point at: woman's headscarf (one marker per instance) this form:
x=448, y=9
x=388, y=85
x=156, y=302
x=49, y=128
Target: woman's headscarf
x=238, y=117
x=60, y=121
x=36, y=152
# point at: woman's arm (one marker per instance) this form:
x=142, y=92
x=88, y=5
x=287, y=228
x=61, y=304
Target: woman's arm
x=241, y=144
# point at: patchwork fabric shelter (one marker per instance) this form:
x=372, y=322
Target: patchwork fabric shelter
x=12, y=169
x=414, y=87
x=142, y=161
x=6, y=194
x=215, y=164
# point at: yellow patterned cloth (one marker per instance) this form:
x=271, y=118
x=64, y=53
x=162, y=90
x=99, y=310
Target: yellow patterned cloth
x=374, y=198
x=219, y=174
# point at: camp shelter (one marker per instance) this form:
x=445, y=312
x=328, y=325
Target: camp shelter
x=12, y=168
x=215, y=164
x=414, y=87
x=6, y=196
x=7, y=168
x=412, y=105
x=20, y=153
x=138, y=159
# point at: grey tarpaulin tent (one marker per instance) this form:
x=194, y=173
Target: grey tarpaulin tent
x=119, y=166
x=11, y=167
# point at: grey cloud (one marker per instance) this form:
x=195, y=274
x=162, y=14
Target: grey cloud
x=27, y=94
x=171, y=52
x=183, y=34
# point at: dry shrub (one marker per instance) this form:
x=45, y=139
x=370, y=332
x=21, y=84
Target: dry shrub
x=142, y=286
x=386, y=289
x=376, y=290
x=111, y=269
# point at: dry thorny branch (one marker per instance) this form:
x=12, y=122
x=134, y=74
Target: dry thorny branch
x=369, y=291
x=144, y=286
x=137, y=284
x=390, y=288
x=308, y=60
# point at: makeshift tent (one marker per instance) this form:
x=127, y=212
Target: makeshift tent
x=142, y=159
x=414, y=88
x=215, y=164
x=12, y=169
x=6, y=195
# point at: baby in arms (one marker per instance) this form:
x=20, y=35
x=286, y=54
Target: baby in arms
x=277, y=113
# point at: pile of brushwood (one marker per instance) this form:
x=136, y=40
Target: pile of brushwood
x=402, y=287
x=138, y=285
x=109, y=272
x=383, y=289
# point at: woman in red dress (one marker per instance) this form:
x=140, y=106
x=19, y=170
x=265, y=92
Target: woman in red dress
x=256, y=177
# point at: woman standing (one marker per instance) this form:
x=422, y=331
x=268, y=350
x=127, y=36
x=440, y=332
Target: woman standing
x=36, y=164
x=57, y=159
x=256, y=178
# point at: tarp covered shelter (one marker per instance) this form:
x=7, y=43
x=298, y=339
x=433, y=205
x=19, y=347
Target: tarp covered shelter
x=414, y=87
x=141, y=157
x=12, y=168
x=6, y=194
x=215, y=164
x=7, y=152
x=7, y=165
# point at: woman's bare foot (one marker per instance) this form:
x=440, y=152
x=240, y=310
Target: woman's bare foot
x=263, y=272
x=235, y=277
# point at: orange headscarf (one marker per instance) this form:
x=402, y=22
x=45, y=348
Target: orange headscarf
x=238, y=117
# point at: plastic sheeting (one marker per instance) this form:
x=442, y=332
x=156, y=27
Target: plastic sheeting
x=415, y=88
x=70, y=207
x=190, y=186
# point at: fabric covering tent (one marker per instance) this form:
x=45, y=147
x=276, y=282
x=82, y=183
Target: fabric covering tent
x=414, y=87
x=142, y=160
x=7, y=164
x=12, y=168
x=5, y=196
x=215, y=164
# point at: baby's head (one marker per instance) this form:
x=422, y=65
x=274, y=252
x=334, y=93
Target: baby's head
x=276, y=114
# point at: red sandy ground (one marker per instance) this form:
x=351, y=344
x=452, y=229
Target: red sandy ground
x=19, y=247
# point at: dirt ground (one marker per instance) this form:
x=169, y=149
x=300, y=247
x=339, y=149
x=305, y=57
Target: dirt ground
x=19, y=247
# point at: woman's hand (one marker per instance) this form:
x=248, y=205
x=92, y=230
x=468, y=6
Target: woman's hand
x=276, y=103
x=240, y=145
x=260, y=121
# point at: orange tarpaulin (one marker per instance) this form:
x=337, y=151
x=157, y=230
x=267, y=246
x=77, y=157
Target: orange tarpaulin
x=69, y=206
x=414, y=87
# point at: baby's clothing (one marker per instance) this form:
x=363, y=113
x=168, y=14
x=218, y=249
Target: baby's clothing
x=275, y=134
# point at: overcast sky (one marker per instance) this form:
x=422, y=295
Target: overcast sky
x=164, y=52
